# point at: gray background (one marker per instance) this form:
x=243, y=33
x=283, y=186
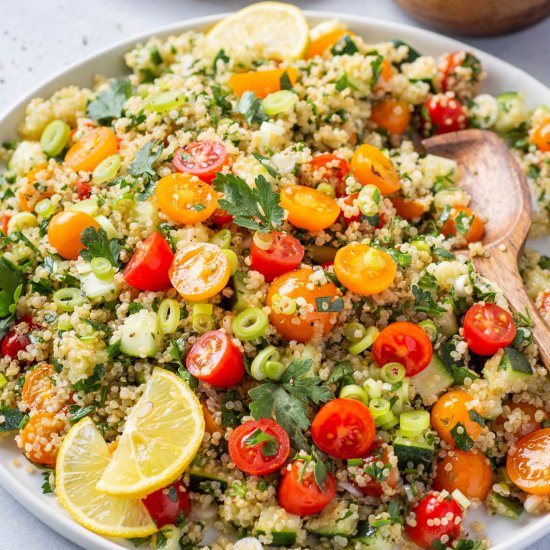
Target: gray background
x=40, y=37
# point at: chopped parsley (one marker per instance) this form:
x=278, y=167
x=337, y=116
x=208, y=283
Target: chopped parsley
x=90, y=384
x=220, y=56
x=461, y=438
x=46, y=486
x=270, y=446
x=476, y=417
x=109, y=103
x=285, y=82
x=251, y=107
x=344, y=46
x=329, y=304
x=11, y=286
x=266, y=163
x=99, y=246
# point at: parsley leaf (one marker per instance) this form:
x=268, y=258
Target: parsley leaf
x=328, y=304
x=285, y=82
x=90, y=384
x=251, y=107
x=320, y=474
x=109, y=103
x=142, y=165
x=341, y=371
x=257, y=437
x=11, y=286
x=266, y=163
x=46, y=486
x=99, y=246
x=461, y=438
x=344, y=46
x=424, y=295
x=476, y=417
x=220, y=56
x=256, y=209
x=376, y=65
x=343, y=82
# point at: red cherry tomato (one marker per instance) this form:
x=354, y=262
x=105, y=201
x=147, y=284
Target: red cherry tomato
x=448, y=520
x=220, y=217
x=487, y=328
x=169, y=505
x=452, y=61
x=148, y=267
x=377, y=454
x=263, y=456
x=215, y=359
x=334, y=170
x=15, y=340
x=403, y=343
x=82, y=190
x=443, y=113
x=300, y=494
x=343, y=428
x=201, y=158
x=284, y=255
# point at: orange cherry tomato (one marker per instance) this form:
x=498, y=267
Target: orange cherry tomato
x=262, y=83
x=387, y=70
x=468, y=471
x=541, y=135
x=364, y=269
x=39, y=438
x=449, y=410
x=185, y=198
x=28, y=194
x=64, y=232
x=475, y=231
x=37, y=389
x=199, y=271
x=408, y=210
x=526, y=413
x=308, y=208
x=320, y=45
x=306, y=321
x=94, y=146
x=528, y=463
x=391, y=114
x=210, y=425
x=371, y=166
x=333, y=170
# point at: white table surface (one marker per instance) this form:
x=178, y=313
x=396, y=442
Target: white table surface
x=39, y=37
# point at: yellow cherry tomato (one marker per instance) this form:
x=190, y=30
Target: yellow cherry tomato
x=185, y=198
x=408, y=210
x=41, y=438
x=320, y=45
x=65, y=230
x=541, y=136
x=371, y=166
x=94, y=146
x=363, y=269
x=308, y=208
x=391, y=114
x=28, y=194
x=37, y=389
x=262, y=83
x=199, y=271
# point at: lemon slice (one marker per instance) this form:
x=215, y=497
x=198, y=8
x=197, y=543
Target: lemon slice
x=270, y=30
x=81, y=461
x=161, y=437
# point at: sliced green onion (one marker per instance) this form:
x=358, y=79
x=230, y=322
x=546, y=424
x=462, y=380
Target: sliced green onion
x=263, y=241
x=169, y=315
x=369, y=199
x=165, y=101
x=428, y=326
x=421, y=246
x=366, y=342
x=106, y=170
x=44, y=208
x=274, y=369
x=379, y=407
x=54, y=137
x=413, y=423
x=353, y=391
x=387, y=421
x=393, y=372
x=88, y=206
x=64, y=322
x=3, y=381
x=122, y=198
x=222, y=238
x=283, y=304
x=267, y=365
x=372, y=387
x=354, y=332
x=250, y=324
x=278, y=102
x=202, y=319
x=233, y=260
x=102, y=268
x=463, y=500
x=327, y=189
x=66, y=299
x=22, y=220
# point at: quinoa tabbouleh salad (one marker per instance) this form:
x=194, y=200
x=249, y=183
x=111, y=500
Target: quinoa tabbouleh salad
x=233, y=295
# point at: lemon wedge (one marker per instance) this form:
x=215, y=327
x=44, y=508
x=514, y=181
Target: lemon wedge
x=271, y=30
x=161, y=437
x=81, y=461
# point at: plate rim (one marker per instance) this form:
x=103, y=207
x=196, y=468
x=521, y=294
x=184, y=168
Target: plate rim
x=40, y=508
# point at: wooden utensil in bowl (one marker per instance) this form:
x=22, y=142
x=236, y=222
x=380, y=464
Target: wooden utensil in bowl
x=500, y=194
x=477, y=17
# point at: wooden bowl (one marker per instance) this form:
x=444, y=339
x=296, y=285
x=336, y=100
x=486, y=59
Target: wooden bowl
x=477, y=17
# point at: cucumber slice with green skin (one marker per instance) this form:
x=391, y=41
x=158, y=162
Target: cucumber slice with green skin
x=417, y=451
x=335, y=520
x=202, y=481
x=432, y=381
x=282, y=526
x=12, y=420
x=504, y=506
x=140, y=335
x=372, y=538
x=512, y=111
x=242, y=293
x=515, y=364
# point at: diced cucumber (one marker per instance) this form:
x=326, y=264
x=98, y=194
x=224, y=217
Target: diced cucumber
x=242, y=293
x=202, y=480
x=372, y=538
x=504, y=506
x=12, y=420
x=335, y=520
x=145, y=212
x=108, y=227
x=88, y=206
x=515, y=364
x=512, y=111
x=418, y=450
x=282, y=526
x=140, y=334
x=167, y=538
x=97, y=289
x=432, y=381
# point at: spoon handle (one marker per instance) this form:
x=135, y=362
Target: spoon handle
x=500, y=267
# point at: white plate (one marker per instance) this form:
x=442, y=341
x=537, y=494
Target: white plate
x=506, y=534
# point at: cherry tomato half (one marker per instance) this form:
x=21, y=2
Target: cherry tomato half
x=468, y=471
x=374, y=486
x=16, y=339
x=473, y=233
x=541, y=136
x=526, y=413
x=429, y=527
x=392, y=115
x=148, y=268
x=299, y=494
x=284, y=255
x=169, y=505
x=371, y=166
x=404, y=343
x=259, y=456
x=408, y=210
x=201, y=158
x=343, y=428
x=262, y=83
x=65, y=230
x=199, y=271
x=37, y=388
x=443, y=113
x=221, y=217
x=41, y=438
x=82, y=190
x=94, y=146
x=528, y=463
x=333, y=169
x=215, y=359
x=320, y=45
x=487, y=328
x=450, y=63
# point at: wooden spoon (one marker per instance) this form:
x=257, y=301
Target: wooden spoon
x=501, y=196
